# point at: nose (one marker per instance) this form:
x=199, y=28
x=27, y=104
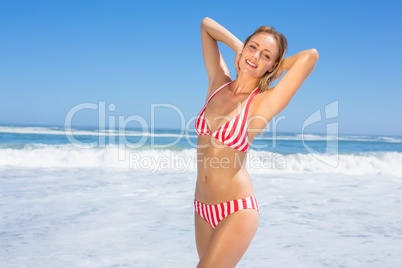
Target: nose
x=256, y=55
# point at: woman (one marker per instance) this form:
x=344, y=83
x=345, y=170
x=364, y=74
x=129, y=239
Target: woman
x=226, y=210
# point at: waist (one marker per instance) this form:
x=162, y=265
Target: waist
x=219, y=185
x=222, y=174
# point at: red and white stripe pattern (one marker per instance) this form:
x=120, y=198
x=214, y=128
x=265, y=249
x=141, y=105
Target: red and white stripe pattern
x=234, y=132
x=213, y=214
x=200, y=123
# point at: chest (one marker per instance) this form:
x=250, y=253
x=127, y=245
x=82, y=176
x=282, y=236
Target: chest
x=223, y=108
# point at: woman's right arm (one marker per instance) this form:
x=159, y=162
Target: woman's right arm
x=211, y=32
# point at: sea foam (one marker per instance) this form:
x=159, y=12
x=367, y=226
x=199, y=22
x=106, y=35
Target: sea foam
x=156, y=160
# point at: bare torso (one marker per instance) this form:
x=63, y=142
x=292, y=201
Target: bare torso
x=222, y=175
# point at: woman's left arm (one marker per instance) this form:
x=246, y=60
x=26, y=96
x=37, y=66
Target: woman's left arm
x=298, y=67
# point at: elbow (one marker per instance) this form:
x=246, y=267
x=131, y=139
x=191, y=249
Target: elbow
x=313, y=54
x=205, y=22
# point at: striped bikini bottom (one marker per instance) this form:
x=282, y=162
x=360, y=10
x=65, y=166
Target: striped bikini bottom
x=213, y=214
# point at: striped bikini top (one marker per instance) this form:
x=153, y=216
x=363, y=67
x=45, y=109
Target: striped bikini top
x=234, y=132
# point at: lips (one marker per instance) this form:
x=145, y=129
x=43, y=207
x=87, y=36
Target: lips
x=251, y=64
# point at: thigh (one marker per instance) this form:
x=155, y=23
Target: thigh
x=230, y=239
x=203, y=232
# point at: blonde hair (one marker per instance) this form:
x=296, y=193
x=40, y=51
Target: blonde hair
x=267, y=79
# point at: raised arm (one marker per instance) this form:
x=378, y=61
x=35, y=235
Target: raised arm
x=211, y=33
x=298, y=67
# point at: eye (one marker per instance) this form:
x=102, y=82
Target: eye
x=252, y=46
x=266, y=56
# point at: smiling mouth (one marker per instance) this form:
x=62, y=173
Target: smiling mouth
x=251, y=64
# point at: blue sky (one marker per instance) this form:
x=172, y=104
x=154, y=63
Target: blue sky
x=55, y=55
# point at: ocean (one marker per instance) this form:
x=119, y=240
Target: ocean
x=95, y=197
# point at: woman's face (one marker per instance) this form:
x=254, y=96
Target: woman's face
x=259, y=54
